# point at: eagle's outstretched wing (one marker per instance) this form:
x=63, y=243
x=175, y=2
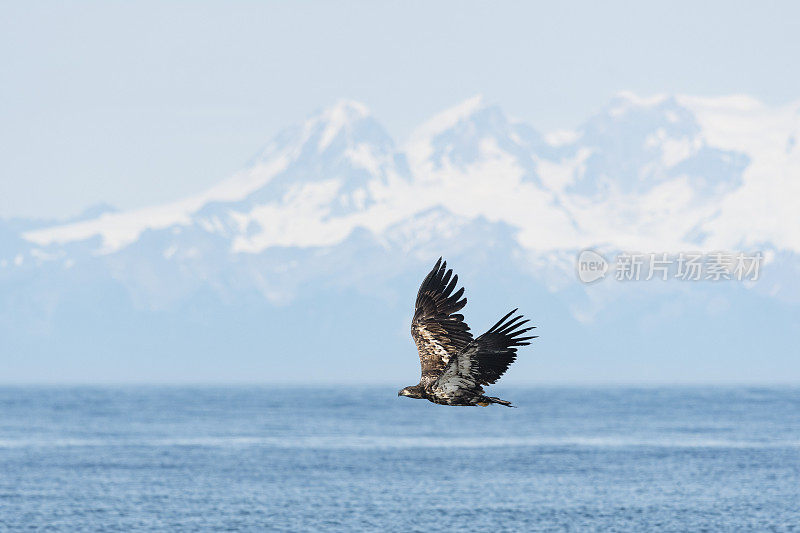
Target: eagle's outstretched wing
x=484, y=360
x=438, y=332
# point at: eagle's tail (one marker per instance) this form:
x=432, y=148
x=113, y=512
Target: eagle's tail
x=486, y=400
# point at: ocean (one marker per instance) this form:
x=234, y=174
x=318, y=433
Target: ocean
x=240, y=458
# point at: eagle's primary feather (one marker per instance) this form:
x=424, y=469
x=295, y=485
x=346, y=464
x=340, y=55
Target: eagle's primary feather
x=454, y=365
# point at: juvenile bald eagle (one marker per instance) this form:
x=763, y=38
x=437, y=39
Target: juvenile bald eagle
x=454, y=365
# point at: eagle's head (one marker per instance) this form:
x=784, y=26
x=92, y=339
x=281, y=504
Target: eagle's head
x=412, y=392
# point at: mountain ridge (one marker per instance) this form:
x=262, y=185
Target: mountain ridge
x=313, y=251
x=342, y=161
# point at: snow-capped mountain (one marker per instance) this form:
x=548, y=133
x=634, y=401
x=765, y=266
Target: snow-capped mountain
x=334, y=223
x=646, y=167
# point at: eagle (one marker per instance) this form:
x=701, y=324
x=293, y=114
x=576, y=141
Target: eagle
x=454, y=365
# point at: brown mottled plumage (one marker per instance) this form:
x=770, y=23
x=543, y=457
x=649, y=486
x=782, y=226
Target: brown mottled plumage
x=438, y=331
x=454, y=366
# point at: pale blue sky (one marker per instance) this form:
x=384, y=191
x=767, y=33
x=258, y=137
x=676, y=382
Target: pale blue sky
x=137, y=102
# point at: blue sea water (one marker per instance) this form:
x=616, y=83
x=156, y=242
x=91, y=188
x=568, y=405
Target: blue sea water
x=362, y=459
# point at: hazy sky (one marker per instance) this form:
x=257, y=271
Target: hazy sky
x=136, y=102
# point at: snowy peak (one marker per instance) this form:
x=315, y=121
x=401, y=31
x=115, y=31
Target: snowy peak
x=338, y=161
x=344, y=116
x=330, y=130
x=640, y=144
x=639, y=117
x=467, y=139
x=449, y=118
x=343, y=142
